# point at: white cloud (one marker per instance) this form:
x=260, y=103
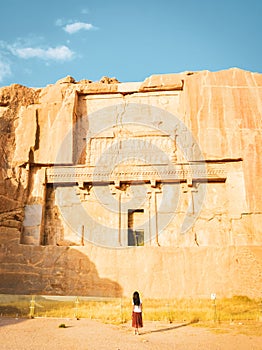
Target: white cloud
x=75, y=27
x=5, y=70
x=59, y=53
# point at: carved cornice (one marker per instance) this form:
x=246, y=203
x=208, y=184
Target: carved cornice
x=164, y=173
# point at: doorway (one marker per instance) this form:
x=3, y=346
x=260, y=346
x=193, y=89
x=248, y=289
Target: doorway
x=135, y=234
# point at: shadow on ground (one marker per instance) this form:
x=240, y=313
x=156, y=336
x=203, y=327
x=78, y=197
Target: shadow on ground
x=169, y=328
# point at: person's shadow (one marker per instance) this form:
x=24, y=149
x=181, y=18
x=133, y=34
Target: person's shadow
x=169, y=328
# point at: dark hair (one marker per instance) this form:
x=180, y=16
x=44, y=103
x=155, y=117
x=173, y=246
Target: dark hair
x=136, y=299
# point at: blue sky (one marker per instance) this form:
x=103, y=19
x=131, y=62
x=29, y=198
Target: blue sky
x=43, y=41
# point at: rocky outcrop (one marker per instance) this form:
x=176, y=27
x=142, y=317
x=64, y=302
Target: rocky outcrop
x=13, y=179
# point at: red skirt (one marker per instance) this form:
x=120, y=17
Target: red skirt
x=137, y=321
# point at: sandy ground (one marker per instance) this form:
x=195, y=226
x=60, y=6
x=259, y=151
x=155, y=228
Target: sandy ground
x=45, y=334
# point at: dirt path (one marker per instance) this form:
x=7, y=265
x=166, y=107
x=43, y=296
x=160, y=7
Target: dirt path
x=45, y=334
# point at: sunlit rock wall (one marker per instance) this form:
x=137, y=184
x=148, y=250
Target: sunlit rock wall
x=197, y=235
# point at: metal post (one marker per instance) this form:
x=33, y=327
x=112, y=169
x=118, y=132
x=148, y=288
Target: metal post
x=213, y=297
x=215, y=311
x=32, y=307
x=77, y=308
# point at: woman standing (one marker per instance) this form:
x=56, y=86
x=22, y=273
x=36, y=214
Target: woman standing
x=137, y=321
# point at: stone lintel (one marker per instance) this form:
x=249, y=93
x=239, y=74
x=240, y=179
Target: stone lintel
x=161, y=173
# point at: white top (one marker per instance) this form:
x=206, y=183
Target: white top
x=137, y=308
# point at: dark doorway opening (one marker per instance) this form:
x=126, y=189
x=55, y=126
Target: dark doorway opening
x=135, y=235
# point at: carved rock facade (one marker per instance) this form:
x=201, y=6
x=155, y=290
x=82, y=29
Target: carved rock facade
x=108, y=187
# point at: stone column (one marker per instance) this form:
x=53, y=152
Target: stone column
x=117, y=191
x=154, y=212
x=119, y=218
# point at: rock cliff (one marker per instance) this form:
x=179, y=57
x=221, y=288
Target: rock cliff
x=107, y=187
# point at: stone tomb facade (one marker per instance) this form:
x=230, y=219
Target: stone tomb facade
x=130, y=182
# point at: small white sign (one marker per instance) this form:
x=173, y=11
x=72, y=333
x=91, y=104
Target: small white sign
x=213, y=296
